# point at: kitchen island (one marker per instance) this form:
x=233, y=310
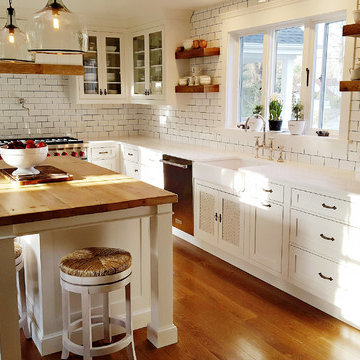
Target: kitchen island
x=96, y=196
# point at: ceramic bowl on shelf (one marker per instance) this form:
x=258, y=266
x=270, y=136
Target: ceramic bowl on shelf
x=205, y=80
x=187, y=44
x=203, y=43
x=183, y=81
x=111, y=48
x=111, y=77
x=24, y=159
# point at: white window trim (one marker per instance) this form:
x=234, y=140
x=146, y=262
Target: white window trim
x=254, y=20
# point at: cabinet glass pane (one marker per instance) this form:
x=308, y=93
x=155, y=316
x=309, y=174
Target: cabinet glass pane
x=113, y=71
x=156, y=63
x=139, y=64
x=91, y=77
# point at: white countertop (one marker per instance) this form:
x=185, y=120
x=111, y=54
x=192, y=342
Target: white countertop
x=336, y=181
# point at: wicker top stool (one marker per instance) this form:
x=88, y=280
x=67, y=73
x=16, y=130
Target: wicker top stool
x=96, y=270
x=18, y=250
x=95, y=261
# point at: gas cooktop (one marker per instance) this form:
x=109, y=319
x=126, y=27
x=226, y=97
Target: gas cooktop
x=62, y=140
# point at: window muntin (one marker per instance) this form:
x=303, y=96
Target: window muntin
x=289, y=45
x=328, y=71
x=250, y=74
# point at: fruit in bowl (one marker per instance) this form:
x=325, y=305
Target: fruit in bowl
x=24, y=156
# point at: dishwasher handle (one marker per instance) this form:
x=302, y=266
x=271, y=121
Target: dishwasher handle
x=182, y=166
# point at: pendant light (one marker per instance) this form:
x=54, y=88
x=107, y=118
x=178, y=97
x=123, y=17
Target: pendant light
x=13, y=42
x=55, y=29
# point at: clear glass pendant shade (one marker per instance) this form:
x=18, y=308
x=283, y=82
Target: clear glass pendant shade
x=55, y=29
x=13, y=42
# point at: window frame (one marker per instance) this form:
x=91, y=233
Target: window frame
x=233, y=31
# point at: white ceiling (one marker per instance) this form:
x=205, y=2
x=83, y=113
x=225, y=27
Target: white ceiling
x=111, y=12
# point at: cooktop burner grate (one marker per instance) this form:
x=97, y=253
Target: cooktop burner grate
x=62, y=140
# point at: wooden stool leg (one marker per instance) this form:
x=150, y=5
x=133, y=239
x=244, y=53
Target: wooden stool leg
x=23, y=308
x=66, y=321
x=106, y=317
x=130, y=348
x=86, y=322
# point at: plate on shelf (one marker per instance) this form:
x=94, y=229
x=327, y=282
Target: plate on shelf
x=90, y=77
x=111, y=48
x=114, y=92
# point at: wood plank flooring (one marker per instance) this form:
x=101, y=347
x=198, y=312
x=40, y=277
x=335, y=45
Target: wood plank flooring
x=223, y=313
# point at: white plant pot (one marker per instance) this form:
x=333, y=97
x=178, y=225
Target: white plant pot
x=255, y=124
x=296, y=127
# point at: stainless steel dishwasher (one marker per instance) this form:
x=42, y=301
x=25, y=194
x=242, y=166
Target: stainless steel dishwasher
x=178, y=179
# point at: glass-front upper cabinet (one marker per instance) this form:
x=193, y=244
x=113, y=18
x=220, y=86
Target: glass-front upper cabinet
x=148, y=78
x=103, y=64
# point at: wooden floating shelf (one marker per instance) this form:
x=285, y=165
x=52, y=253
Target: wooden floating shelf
x=353, y=85
x=193, y=53
x=351, y=30
x=18, y=67
x=197, y=89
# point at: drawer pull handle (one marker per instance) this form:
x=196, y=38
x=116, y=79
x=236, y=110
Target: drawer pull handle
x=136, y=170
x=266, y=205
x=130, y=154
x=216, y=217
x=329, y=207
x=103, y=152
x=325, y=277
x=268, y=191
x=326, y=238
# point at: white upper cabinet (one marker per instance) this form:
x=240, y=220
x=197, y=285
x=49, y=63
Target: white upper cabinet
x=147, y=65
x=136, y=66
x=104, y=71
x=154, y=70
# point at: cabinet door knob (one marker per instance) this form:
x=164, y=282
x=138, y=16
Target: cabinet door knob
x=328, y=207
x=101, y=92
x=326, y=238
x=325, y=277
x=216, y=217
x=220, y=217
x=105, y=92
x=266, y=205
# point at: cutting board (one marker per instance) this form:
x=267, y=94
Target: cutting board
x=48, y=174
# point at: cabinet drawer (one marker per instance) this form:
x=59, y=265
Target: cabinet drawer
x=103, y=153
x=322, y=205
x=132, y=169
x=130, y=153
x=326, y=237
x=323, y=277
x=151, y=158
x=271, y=191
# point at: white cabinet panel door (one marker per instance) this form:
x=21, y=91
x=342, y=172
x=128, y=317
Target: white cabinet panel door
x=266, y=235
x=231, y=224
x=206, y=214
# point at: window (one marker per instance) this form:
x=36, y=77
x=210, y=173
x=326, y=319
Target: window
x=328, y=70
x=301, y=61
x=251, y=68
x=288, y=67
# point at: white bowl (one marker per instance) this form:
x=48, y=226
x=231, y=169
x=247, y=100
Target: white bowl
x=24, y=159
x=187, y=44
x=111, y=48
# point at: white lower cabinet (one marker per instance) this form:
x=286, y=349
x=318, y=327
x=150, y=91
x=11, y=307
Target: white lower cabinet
x=220, y=219
x=104, y=155
x=266, y=235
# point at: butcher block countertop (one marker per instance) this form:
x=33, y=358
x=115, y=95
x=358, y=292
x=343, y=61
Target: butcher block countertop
x=93, y=190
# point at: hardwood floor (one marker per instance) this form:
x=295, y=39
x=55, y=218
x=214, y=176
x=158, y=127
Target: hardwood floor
x=223, y=313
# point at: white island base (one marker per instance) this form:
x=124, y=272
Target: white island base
x=144, y=231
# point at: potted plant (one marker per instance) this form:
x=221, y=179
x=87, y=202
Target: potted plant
x=275, y=110
x=297, y=126
x=255, y=123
